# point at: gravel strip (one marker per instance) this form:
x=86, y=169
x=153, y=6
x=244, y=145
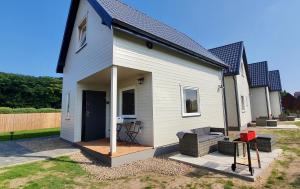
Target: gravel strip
x=161, y=166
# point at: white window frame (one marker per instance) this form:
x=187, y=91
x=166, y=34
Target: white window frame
x=243, y=103
x=184, y=114
x=68, y=106
x=82, y=24
x=121, y=102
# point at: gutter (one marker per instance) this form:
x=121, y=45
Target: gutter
x=225, y=105
x=237, y=103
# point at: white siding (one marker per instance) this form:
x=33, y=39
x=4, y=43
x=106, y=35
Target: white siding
x=275, y=100
x=243, y=90
x=231, y=101
x=95, y=56
x=259, y=104
x=143, y=106
x=170, y=71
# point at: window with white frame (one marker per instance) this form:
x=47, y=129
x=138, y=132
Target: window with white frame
x=68, y=106
x=243, y=103
x=190, y=101
x=127, y=102
x=82, y=28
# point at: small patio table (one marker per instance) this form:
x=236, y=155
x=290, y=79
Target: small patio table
x=236, y=142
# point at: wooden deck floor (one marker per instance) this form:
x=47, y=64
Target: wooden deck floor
x=102, y=146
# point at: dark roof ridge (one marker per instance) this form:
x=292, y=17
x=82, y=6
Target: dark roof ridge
x=242, y=42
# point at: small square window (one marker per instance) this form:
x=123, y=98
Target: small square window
x=82, y=28
x=243, y=103
x=190, y=101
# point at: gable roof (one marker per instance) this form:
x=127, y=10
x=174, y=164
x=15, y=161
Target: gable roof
x=258, y=73
x=232, y=55
x=274, y=81
x=123, y=17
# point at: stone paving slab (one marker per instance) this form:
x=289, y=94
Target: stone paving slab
x=280, y=127
x=222, y=163
x=30, y=150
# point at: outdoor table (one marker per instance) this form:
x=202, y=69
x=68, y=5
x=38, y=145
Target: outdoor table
x=236, y=142
x=126, y=126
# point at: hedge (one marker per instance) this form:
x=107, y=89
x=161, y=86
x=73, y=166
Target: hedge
x=7, y=110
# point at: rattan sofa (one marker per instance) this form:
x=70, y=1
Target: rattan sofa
x=199, y=142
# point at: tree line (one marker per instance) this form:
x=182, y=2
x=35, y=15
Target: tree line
x=22, y=91
x=290, y=103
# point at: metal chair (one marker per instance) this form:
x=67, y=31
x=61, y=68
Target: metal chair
x=133, y=130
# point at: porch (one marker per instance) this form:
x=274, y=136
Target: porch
x=113, y=93
x=102, y=146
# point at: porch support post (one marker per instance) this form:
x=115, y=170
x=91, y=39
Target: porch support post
x=113, y=109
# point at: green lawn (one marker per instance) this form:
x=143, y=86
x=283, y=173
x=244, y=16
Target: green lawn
x=55, y=173
x=64, y=173
x=30, y=134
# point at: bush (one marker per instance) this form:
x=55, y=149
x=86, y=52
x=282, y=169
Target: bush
x=24, y=110
x=48, y=110
x=7, y=110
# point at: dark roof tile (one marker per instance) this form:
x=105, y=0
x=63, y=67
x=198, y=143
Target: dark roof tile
x=231, y=54
x=258, y=73
x=274, y=81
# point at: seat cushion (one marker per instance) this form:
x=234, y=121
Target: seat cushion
x=202, y=131
x=203, y=138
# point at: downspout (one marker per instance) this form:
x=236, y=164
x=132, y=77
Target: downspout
x=237, y=103
x=268, y=111
x=224, y=105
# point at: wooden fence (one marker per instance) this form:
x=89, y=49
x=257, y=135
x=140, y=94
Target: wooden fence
x=29, y=121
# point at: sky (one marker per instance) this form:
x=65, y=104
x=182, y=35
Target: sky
x=31, y=31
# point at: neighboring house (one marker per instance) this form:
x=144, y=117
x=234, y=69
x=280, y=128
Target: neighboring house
x=236, y=84
x=297, y=94
x=275, y=90
x=259, y=91
x=117, y=61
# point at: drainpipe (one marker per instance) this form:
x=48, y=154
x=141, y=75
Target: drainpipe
x=224, y=105
x=237, y=103
x=268, y=111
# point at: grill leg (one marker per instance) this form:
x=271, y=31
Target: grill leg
x=249, y=158
x=257, y=154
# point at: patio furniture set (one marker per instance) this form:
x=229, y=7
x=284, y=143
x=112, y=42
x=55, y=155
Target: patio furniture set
x=202, y=141
x=132, y=129
x=266, y=122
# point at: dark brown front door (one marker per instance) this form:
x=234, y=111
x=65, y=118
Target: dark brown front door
x=93, y=115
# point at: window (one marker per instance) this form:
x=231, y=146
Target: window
x=82, y=33
x=243, y=103
x=190, y=101
x=127, y=102
x=68, y=106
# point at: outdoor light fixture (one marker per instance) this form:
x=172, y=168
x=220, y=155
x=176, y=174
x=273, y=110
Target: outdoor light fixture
x=149, y=45
x=141, y=80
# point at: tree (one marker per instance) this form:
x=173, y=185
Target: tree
x=19, y=91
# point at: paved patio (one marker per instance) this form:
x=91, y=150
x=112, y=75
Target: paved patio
x=222, y=164
x=280, y=127
x=30, y=150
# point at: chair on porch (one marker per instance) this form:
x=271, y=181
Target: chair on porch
x=133, y=130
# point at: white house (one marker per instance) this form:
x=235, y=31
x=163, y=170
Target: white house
x=236, y=83
x=117, y=61
x=259, y=91
x=275, y=90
